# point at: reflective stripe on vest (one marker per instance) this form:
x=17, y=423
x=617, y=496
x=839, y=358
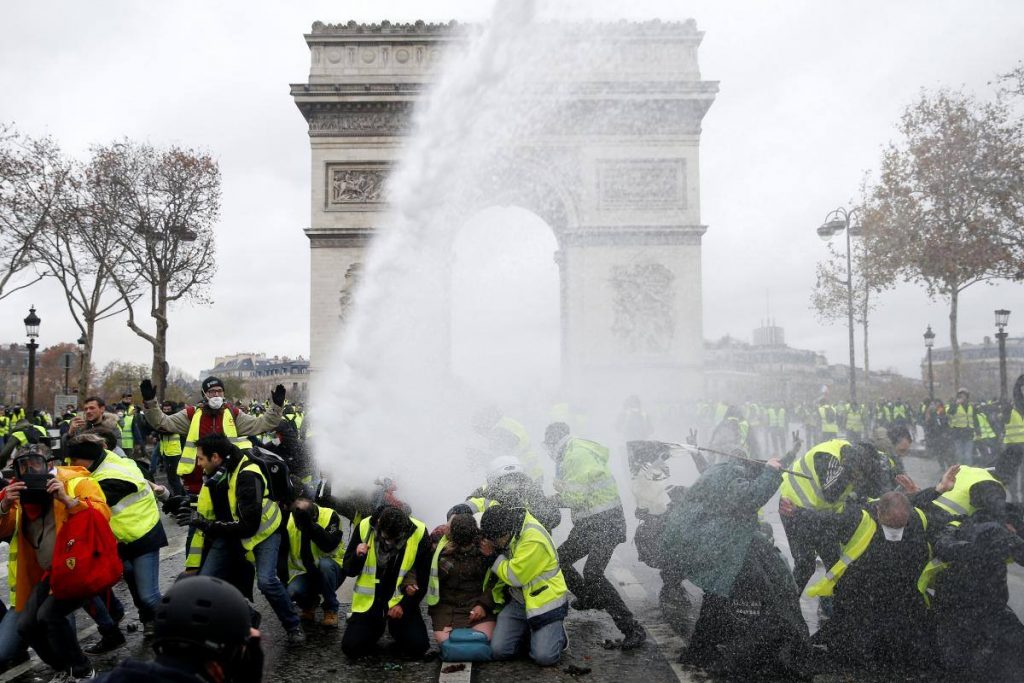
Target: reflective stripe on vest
x=295, y=566
x=546, y=591
x=136, y=514
x=985, y=430
x=957, y=501
x=1014, y=428
x=12, y=561
x=853, y=550
x=586, y=483
x=188, y=455
x=366, y=583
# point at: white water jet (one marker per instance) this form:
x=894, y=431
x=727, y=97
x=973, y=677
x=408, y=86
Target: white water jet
x=388, y=403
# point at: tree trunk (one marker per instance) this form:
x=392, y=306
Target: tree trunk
x=954, y=343
x=85, y=364
x=867, y=367
x=159, y=370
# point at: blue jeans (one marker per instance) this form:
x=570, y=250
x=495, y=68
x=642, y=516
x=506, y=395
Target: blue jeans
x=512, y=629
x=220, y=559
x=306, y=590
x=102, y=608
x=142, y=575
x=11, y=644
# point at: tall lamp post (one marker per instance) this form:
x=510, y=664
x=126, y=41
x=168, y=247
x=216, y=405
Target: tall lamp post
x=1002, y=317
x=837, y=221
x=929, y=342
x=82, y=341
x=32, y=331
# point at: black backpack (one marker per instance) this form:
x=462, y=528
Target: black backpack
x=279, y=484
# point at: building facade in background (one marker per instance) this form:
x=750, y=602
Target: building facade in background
x=979, y=368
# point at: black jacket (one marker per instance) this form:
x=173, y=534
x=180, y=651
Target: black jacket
x=248, y=498
x=977, y=551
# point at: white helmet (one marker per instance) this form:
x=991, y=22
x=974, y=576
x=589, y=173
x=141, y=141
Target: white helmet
x=499, y=467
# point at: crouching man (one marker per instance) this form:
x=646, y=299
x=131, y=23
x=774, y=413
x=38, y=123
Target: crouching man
x=315, y=558
x=537, y=601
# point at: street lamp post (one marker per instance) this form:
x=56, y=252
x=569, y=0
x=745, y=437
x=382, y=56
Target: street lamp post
x=32, y=331
x=929, y=342
x=1002, y=317
x=841, y=220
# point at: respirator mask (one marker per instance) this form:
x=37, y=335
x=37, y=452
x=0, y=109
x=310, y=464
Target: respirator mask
x=32, y=469
x=215, y=402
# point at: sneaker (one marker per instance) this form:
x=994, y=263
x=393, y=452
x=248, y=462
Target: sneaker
x=308, y=614
x=72, y=678
x=109, y=641
x=330, y=619
x=296, y=636
x=634, y=639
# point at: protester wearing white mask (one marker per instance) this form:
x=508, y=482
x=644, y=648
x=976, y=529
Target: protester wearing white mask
x=879, y=616
x=212, y=416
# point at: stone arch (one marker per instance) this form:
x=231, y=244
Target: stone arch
x=623, y=200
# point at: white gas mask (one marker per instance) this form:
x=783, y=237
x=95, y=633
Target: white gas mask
x=892, y=533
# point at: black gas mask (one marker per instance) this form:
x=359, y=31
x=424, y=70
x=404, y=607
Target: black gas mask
x=33, y=469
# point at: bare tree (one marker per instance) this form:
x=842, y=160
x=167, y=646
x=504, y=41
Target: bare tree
x=72, y=244
x=21, y=214
x=948, y=207
x=163, y=204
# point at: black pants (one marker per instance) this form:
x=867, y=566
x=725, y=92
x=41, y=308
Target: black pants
x=44, y=625
x=595, y=538
x=364, y=629
x=808, y=540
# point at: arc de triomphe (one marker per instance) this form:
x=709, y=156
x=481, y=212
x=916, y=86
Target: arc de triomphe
x=624, y=206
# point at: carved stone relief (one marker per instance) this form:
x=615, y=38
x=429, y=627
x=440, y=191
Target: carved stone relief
x=370, y=122
x=347, y=298
x=643, y=299
x=347, y=184
x=641, y=184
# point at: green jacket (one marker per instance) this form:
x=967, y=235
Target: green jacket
x=708, y=533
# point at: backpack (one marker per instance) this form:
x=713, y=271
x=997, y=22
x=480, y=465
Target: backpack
x=279, y=484
x=85, y=560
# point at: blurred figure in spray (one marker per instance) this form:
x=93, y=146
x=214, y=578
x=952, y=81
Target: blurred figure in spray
x=1013, y=435
x=733, y=433
x=586, y=486
x=508, y=484
x=979, y=636
x=963, y=426
x=937, y=436
x=633, y=422
x=506, y=436
x=750, y=622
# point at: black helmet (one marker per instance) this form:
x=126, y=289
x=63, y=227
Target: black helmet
x=202, y=611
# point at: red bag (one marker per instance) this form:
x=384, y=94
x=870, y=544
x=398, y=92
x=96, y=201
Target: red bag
x=85, y=559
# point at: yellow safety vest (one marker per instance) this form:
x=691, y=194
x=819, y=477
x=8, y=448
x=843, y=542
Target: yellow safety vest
x=5, y=425
x=533, y=554
x=957, y=501
x=188, y=455
x=270, y=515
x=524, y=452
x=985, y=430
x=828, y=425
x=855, y=419
x=127, y=438
x=295, y=566
x=23, y=440
x=807, y=493
x=170, y=446
x=12, y=561
x=961, y=419
x=853, y=549
x=1014, y=428
x=136, y=514
x=366, y=583
x=584, y=481
x=481, y=504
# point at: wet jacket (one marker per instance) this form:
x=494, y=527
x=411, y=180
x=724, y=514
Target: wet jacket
x=977, y=550
x=708, y=533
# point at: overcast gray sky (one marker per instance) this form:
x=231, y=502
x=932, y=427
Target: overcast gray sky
x=809, y=94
